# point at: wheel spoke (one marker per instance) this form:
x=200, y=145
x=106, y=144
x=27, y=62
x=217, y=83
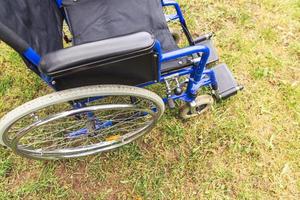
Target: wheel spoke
x=121, y=124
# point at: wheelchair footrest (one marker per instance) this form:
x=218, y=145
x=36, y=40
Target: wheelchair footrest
x=227, y=85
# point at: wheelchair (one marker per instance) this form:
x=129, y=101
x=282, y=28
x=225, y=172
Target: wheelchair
x=117, y=49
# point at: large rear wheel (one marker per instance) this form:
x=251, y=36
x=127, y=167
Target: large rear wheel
x=81, y=121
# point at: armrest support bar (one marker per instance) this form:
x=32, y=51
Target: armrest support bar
x=198, y=70
x=185, y=52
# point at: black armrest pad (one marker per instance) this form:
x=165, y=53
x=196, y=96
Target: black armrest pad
x=79, y=55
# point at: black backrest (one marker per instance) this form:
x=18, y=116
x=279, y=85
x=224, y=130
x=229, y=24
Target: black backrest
x=34, y=23
x=94, y=20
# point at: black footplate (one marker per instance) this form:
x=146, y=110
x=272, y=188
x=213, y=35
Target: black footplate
x=227, y=85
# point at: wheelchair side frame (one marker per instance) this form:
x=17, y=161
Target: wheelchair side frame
x=199, y=75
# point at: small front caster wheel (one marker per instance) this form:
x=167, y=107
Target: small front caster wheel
x=202, y=104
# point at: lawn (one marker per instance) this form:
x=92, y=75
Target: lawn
x=247, y=147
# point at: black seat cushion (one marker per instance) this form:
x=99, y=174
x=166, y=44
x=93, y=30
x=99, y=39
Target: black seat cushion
x=70, y=58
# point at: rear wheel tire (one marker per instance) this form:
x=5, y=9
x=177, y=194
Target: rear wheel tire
x=49, y=127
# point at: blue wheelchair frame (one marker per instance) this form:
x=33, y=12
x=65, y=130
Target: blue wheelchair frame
x=199, y=75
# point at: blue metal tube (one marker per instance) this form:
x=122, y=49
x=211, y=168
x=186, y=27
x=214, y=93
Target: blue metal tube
x=157, y=48
x=177, y=8
x=59, y=3
x=179, y=16
x=186, y=52
x=197, y=71
x=34, y=58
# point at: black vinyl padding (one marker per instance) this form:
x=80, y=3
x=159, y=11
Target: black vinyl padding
x=132, y=69
x=12, y=39
x=129, y=60
x=73, y=57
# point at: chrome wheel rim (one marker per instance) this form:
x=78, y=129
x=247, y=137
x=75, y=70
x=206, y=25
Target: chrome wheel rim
x=136, y=120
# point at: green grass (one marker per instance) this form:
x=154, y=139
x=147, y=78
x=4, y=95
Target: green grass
x=246, y=148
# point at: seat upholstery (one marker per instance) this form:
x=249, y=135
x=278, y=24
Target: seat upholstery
x=95, y=20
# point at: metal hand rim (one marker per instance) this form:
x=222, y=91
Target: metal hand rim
x=91, y=149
